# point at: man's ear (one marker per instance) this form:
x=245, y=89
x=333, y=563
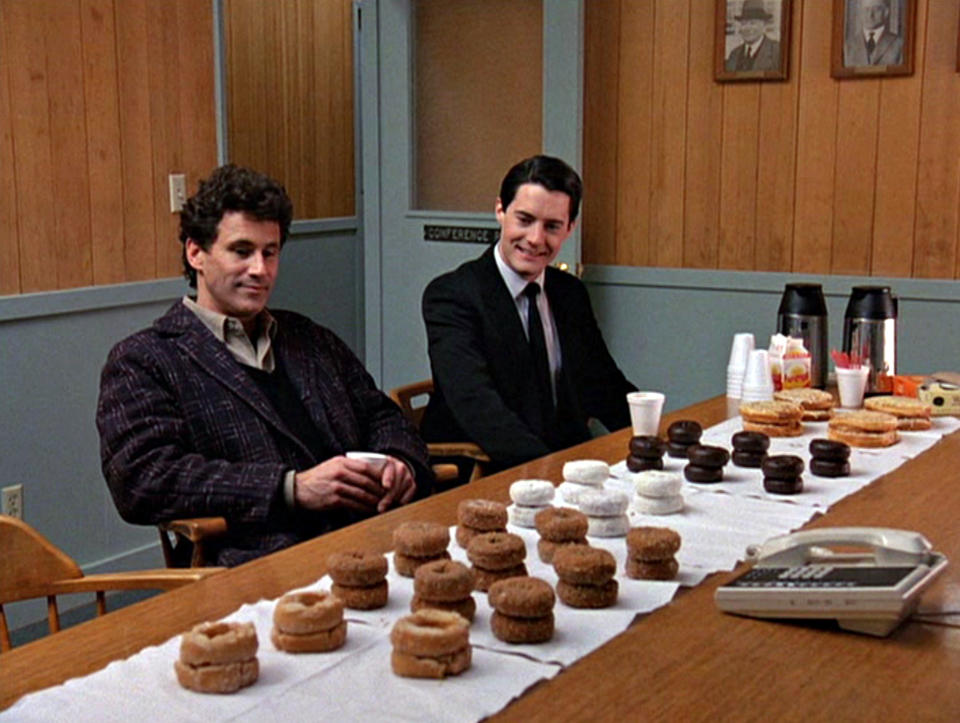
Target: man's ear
x=499, y=211
x=195, y=254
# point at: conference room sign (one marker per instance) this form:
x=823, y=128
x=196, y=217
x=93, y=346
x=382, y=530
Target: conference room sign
x=461, y=234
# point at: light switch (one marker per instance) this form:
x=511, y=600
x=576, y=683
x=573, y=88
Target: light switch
x=178, y=192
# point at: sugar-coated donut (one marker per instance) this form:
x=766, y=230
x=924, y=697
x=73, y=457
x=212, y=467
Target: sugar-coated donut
x=307, y=612
x=532, y=492
x=483, y=579
x=588, y=596
x=407, y=565
x=653, y=483
x=219, y=677
x=522, y=597
x=321, y=641
x=215, y=643
x=467, y=607
x=560, y=524
x=485, y=515
x=519, y=630
x=523, y=516
x=443, y=580
x=603, y=503
x=496, y=550
x=421, y=539
x=546, y=549
x=652, y=543
x=571, y=491
x=415, y=666
x=430, y=632
x=465, y=533
x=362, y=597
x=657, y=505
x=593, y=472
x=584, y=565
x=616, y=526
x=654, y=570
x=357, y=568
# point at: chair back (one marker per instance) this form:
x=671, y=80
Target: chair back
x=412, y=399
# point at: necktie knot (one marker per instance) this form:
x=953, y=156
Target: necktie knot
x=531, y=291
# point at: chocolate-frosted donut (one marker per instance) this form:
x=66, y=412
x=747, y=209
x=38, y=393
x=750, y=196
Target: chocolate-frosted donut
x=782, y=467
x=678, y=450
x=829, y=468
x=639, y=464
x=703, y=455
x=704, y=475
x=748, y=459
x=685, y=431
x=829, y=449
x=750, y=442
x=647, y=446
x=783, y=486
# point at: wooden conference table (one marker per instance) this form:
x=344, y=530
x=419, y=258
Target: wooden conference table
x=684, y=661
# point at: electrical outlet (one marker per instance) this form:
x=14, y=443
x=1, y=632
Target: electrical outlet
x=13, y=501
x=178, y=192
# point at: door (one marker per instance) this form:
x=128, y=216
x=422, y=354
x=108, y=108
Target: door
x=423, y=210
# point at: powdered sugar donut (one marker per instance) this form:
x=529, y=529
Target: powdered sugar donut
x=603, y=503
x=657, y=505
x=571, y=491
x=523, y=516
x=654, y=483
x=593, y=472
x=608, y=526
x=532, y=492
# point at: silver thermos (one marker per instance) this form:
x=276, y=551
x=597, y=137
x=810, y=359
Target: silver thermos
x=870, y=331
x=803, y=314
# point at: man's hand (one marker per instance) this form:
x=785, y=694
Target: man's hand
x=399, y=484
x=341, y=482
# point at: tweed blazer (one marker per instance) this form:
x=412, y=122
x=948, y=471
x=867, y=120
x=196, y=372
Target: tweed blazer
x=186, y=432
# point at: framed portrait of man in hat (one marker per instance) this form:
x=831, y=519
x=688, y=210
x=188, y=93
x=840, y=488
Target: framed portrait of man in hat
x=872, y=37
x=752, y=40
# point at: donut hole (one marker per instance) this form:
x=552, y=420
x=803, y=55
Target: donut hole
x=216, y=630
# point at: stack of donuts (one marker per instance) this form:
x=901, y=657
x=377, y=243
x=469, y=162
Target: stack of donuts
x=650, y=553
x=522, y=610
x=430, y=643
x=829, y=458
x=657, y=492
x=750, y=448
x=359, y=578
x=496, y=556
x=308, y=622
x=559, y=526
x=416, y=543
x=218, y=657
x=474, y=517
x=681, y=435
x=586, y=576
x=782, y=474
x=646, y=452
x=444, y=585
x=606, y=512
x=581, y=475
x=529, y=496
x=705, y=463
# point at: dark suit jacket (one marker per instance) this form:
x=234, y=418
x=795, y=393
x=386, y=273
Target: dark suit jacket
x=767, y=57
x=483, y=369
x=186, y=432
x=888, y=51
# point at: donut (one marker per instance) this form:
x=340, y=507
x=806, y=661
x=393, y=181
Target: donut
x=320, y=641
x=647, y=446
x=571, y=491
x=521, y=630
x=782, y=466
x=485, y=515
x=362, y=597
x=357, y=568
x=829, y=449
x=771, y=412
x=496, y=550
x=217, y=678
x=593, y=472
x=483, y=579
x=748, y=459
x=703, y=455
x=523, y=516
x=702, y=475
x=750, y=442
x=421, y=539
x=657, y=484
x=829, y=468
x=654, y=570
x=584, y=565
x=546, y=549
x=407, y=565
x=216, y=643
x=561, y=524
x=588, y=596
x=787, y=429
x=430, y=633
x=522, y=597
x=678, y=450
x=413, y=666
x=657, y=505
x=532, y=492
x=603, y=503
x=650, y=544
x=783, y=486
x=616, y=526
x=443, y=580
x=307, y=612
x=859, y=438
x=465, y=533
x=467, y=607
x=685, y=431
x=639, y=464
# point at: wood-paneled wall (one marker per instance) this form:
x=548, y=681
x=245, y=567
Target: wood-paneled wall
x=99, y=101
x=290, y=98
x=812, y=175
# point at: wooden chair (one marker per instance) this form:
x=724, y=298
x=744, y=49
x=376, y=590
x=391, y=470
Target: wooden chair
x=412, y=400
x=32, y=567
x=183, y=540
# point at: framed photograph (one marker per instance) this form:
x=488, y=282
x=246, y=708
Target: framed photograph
x=873, y=38
x=752, y=40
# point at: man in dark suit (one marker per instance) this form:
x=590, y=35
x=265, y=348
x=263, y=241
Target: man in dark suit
x=873, y=43
x=758, y=51
x=223, y=408
x=515, y=370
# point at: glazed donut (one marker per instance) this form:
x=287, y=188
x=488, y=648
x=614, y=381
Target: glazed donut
x=483, y=579
x=307, y=612
x=421, y=539
x=413, y=666
x=467, y=607
x=647, y=446
x=702, y=475
x=561, y=524
x=584, y=565
x=603, y=503
x=829, y=468
x=532, y=492
x=321, y=641
x=655, y=570
x=217, y=678
x=496, y=550
x=686, y=431
x=522, y=597
x=593, y=472
x=588, y=596
x=608, y=526
x=407, y=565
x=657, y=505
x=523, y=516
x=546, y=549
x=750, y=442
x=640, y=464
x=571, y=491
x=443, y=581
x=485, y=515
x=519, y=630
x=429, y=633
x=217, y=643
x=652, y=543
x=365, y=597
x=357, y=568
x=657, y=484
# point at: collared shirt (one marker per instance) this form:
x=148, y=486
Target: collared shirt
x=515, y=285
x=877, y=33
x=229, y=330
x=753, y=48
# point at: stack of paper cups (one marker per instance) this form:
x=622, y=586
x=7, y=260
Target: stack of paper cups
x=737, y=366
x=757, y=379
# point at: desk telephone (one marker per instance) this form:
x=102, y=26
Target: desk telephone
x=870, y=589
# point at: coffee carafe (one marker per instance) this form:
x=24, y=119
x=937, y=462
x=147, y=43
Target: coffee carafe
x=870, y=332
x=803, y=314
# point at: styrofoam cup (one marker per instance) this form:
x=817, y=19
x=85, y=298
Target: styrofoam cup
x=851, y=384
x=379, y=461
x=758, y=374
x=645, y=409
x=740, y=349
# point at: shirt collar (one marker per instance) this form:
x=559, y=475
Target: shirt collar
x=876, y=32
x=221, y=325
x=514, y=281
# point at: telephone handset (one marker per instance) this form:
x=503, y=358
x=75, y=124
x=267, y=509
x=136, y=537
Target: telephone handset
x=869, y=587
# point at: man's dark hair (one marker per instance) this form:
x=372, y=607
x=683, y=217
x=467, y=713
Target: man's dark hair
x=547, y=171
x=231, y=188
